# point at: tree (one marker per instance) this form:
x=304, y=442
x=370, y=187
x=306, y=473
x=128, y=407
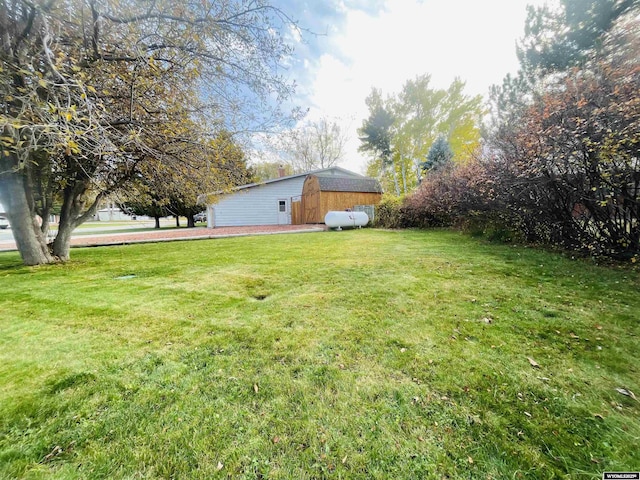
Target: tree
x=314, y=145
x=558, y=39
x=439, y=156
x=92, y=90
x=569, y=171
x=164, y=189
x=555, y=41
x=141, y=201
x=330, y=141
x=508, y=102
x=219, y=167
x=561, y=167
x=376, y=132
x=420, y=115
x=262, y=171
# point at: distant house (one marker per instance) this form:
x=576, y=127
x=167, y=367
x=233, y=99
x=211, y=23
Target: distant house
x=111, y=213
x=294, y=199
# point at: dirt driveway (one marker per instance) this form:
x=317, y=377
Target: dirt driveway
x=196, y=233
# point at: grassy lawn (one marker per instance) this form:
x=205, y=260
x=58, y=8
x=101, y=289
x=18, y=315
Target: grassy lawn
x=358, y=354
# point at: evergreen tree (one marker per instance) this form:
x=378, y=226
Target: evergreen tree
x=558, y=39
x=440, y=156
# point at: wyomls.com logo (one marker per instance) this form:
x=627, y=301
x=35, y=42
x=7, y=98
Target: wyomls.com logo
x=621, y=476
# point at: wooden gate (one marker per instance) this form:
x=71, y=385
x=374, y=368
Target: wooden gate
x=296, y=211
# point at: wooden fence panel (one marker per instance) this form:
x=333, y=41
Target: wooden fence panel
x=296, y=213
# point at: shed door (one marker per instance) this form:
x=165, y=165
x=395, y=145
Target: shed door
x=284, y=212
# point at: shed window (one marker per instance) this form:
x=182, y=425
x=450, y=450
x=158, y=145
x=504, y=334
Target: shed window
x=282, y=206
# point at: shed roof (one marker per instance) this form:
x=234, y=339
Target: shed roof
x=338, y=171
x=324, y=171
x=349, y=184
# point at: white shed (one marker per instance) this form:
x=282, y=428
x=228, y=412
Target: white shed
x=264, y=203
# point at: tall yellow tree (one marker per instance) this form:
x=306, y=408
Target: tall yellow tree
x=419, y=115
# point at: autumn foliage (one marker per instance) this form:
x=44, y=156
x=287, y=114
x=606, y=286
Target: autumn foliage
x=567, y=174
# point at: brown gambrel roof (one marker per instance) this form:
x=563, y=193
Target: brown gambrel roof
x=347, y=184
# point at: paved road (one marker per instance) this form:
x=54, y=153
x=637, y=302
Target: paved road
x=6, y=235
x=121, y=238
x=99, y=227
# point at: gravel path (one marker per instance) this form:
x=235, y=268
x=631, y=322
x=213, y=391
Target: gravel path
x=179, y=234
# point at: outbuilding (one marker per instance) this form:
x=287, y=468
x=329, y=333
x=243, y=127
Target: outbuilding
x=279, y=201
x=321, y=194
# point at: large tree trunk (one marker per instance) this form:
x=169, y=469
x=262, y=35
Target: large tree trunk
x=157, y=219
x=62, y=242
x=190, y=222
x=30, y=240
x=72, y=214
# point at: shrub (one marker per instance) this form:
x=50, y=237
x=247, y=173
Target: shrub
x=388, y=214
x=434, y=202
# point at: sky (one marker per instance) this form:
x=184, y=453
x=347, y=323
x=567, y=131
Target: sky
x=355, y=45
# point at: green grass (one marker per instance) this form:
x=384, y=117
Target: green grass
x=358, y=354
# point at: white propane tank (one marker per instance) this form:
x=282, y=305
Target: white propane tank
x=336, y=219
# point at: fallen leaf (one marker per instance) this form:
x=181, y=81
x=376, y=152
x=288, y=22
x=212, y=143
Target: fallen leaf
x=527, y=414
x=597, y=415
x=420, y=439
x=220, y=466
x=598, y=327
x=533, y=363
x=403, y=349
x=275, y=439
x=470, y=460
x=573, y=335
x=627, y=393
x=344, y=459
x=487, y=320
x=255, y=387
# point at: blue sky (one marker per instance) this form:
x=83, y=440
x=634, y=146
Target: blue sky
x=361, y=44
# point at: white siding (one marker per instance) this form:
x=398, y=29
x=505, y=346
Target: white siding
x=256, y=205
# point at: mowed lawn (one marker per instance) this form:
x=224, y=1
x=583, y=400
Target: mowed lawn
x=356, y=354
